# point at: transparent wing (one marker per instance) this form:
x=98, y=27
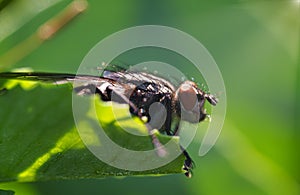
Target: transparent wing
x=55, y=78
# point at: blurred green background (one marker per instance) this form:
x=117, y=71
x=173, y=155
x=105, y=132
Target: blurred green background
x=256, y=46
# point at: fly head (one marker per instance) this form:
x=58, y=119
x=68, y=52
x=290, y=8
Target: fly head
x=190, y=102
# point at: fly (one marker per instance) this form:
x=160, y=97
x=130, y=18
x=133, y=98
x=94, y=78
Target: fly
x=139, y=90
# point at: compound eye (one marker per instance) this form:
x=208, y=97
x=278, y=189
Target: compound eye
x=187, y=96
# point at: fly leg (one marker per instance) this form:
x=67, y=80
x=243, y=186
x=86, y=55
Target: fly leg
x=188, y=163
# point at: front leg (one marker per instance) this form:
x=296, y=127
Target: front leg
x=188, y=163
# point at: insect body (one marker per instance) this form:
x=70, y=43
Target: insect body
x=140, y=91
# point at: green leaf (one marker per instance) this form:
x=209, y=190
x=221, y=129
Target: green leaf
x=39, y=139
